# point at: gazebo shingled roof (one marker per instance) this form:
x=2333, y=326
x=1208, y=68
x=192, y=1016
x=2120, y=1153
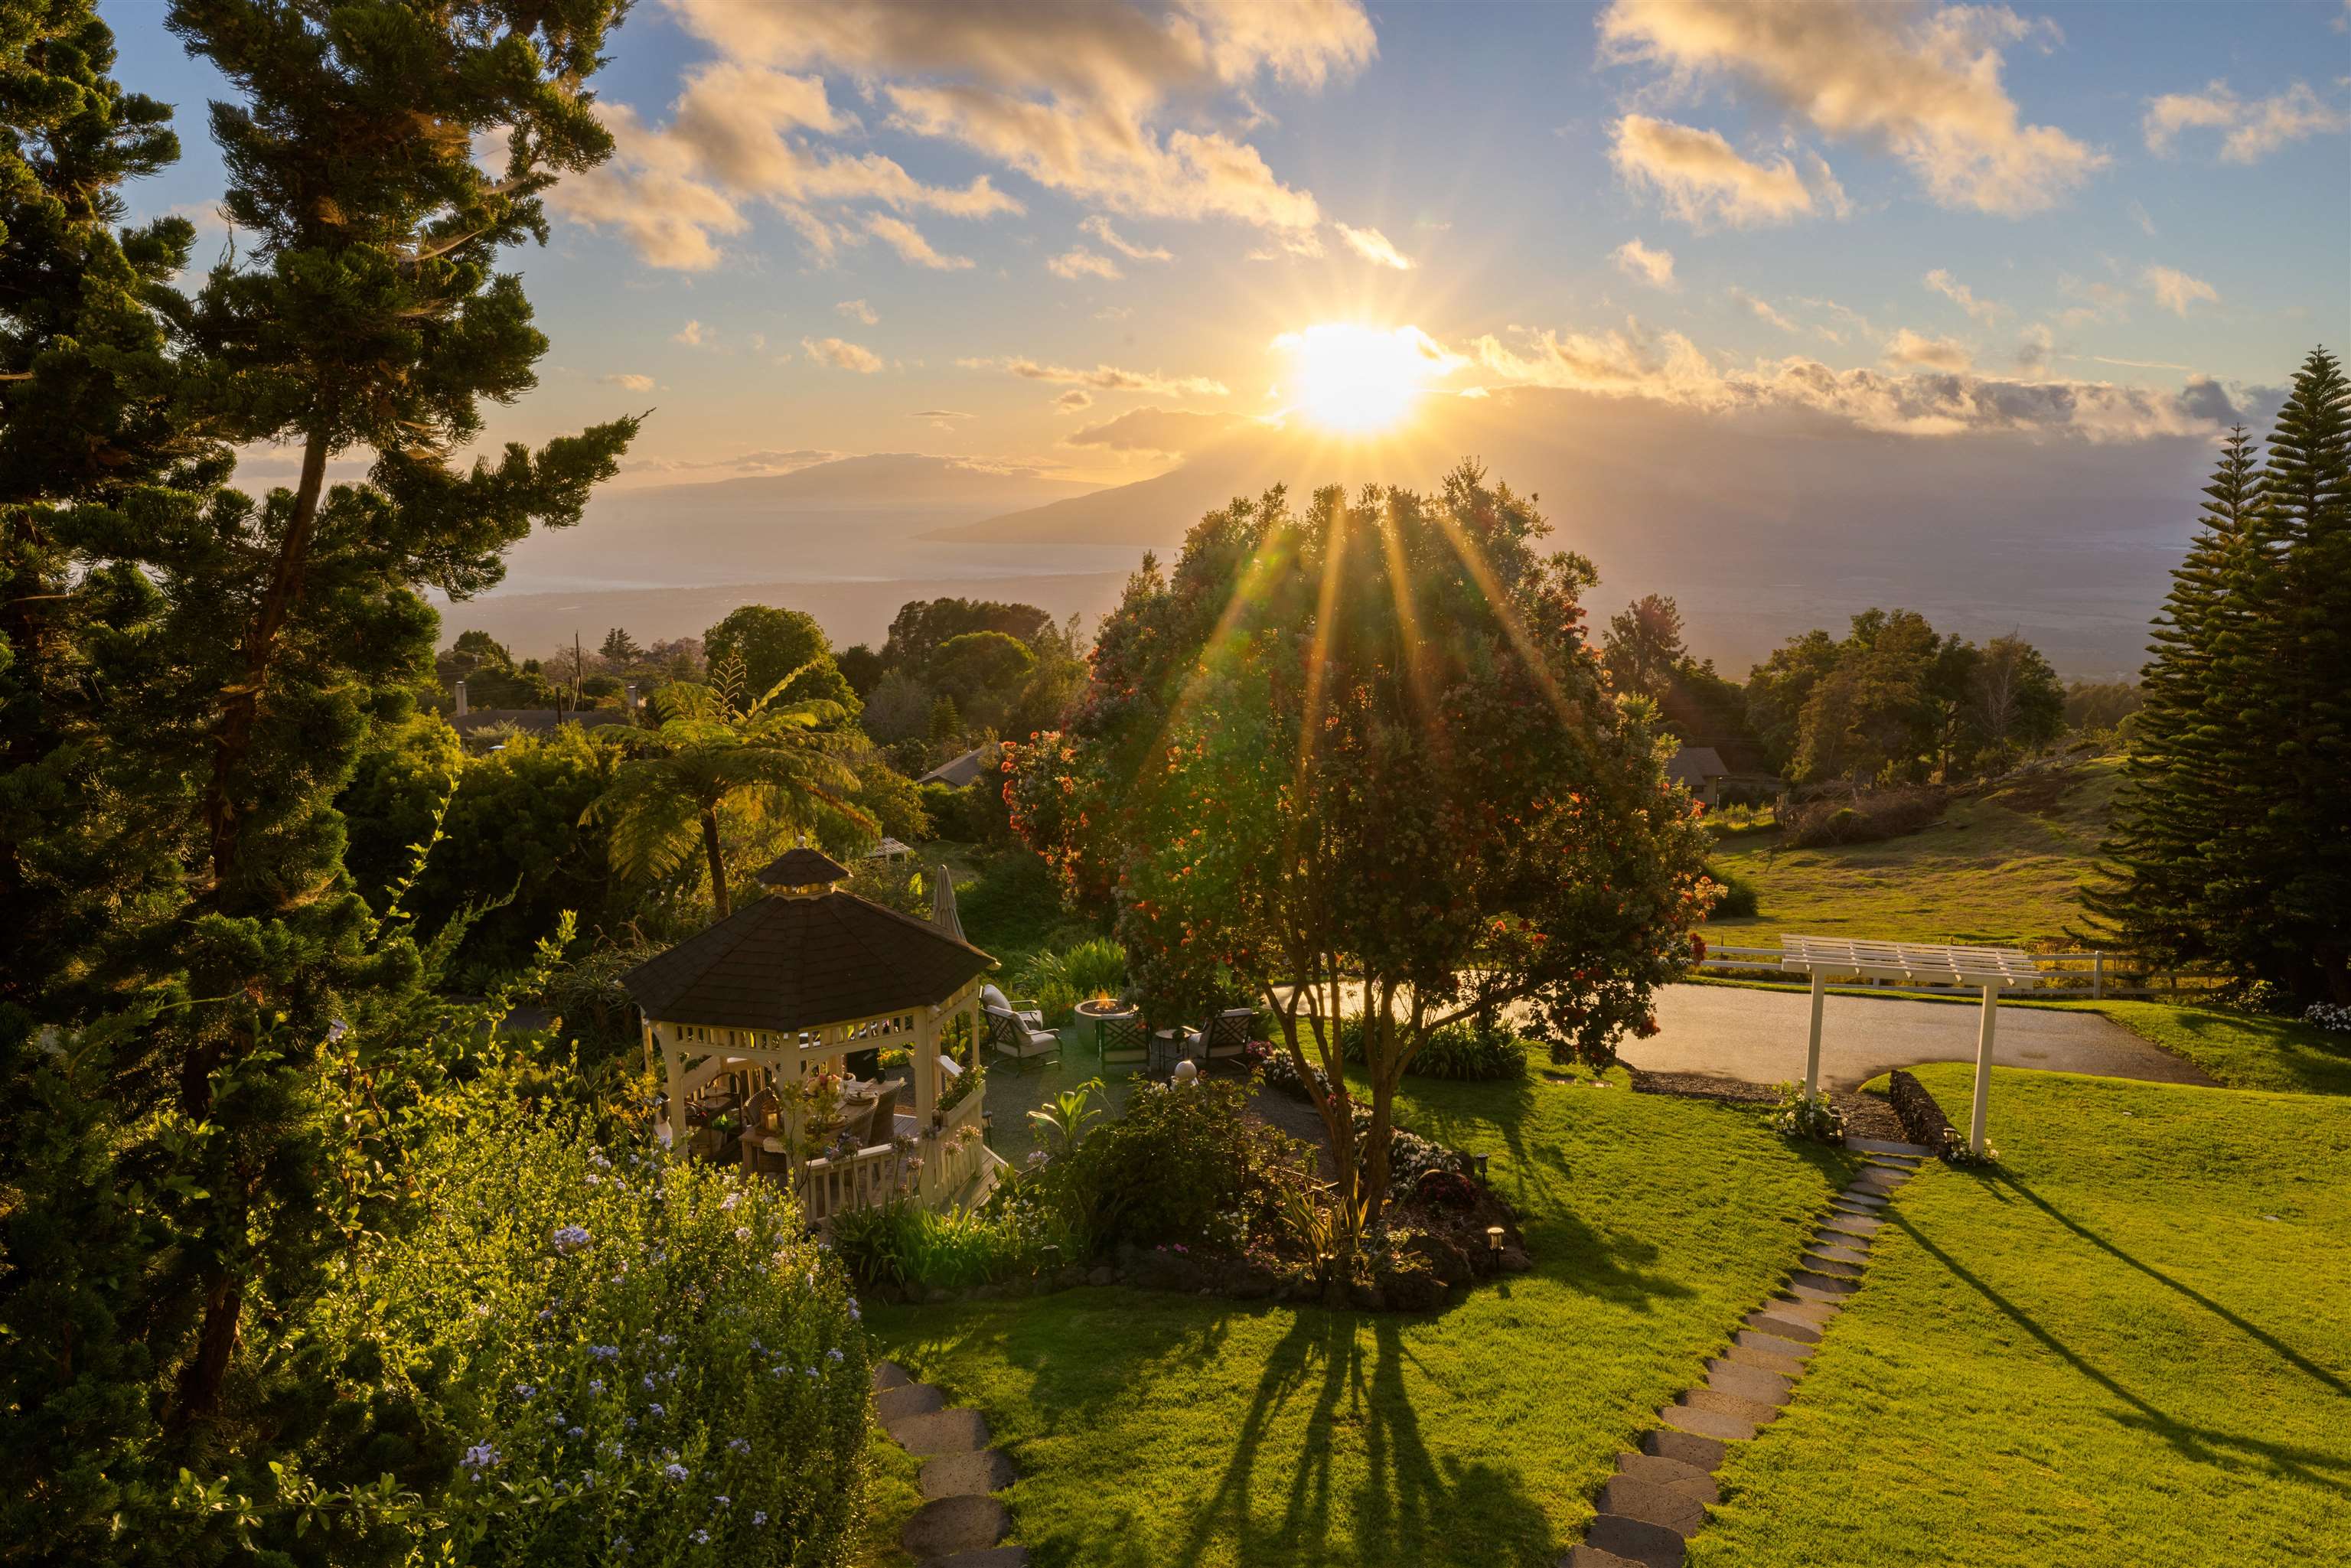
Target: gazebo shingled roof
x=784, y=962
x=801, y=867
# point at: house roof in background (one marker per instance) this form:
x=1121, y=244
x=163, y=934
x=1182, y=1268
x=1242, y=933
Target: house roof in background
x=1694, y=764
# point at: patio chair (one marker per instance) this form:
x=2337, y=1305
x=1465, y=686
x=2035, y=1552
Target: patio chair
x=1008, y=1035
x=1030, y=1012
x=1124, y=1040
x=1226, y=1035
x=884, y=1125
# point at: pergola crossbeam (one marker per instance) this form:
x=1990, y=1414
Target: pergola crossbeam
x=1990, y=970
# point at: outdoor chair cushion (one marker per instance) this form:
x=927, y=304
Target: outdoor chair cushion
x=1009, y=1035
x=1031, y=1015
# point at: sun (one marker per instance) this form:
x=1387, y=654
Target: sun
x=1360, y=380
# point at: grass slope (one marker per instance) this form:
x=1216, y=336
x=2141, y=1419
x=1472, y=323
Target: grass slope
x=1993, y=869
x=2130, y=1346
x=1152, y=1428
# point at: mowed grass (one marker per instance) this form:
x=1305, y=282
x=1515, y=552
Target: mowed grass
x=2131, y=1346
x=2240, y=1049
x=1986, y=872
x=1152, y=1428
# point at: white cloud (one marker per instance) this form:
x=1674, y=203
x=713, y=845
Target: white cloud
x=2139, y=215
x=2175, y=290
x=1073, y=96
x=1959, y=294
x=1374, y=247
x=1098, y=226
x=858, y=311
x=1073, y=400
x=1105, y=378
x=2101, y=302
x=1654, y=267
x=736, y=137
x=1634, y=362
x=2255, y=128
x=1762, y=310
x=1922, y=82
x=908, y=241
x=1908, y=348
x=1701, y=179
x=1079, y=262
x=629, y=380
x=690, y=335
x=841, y=356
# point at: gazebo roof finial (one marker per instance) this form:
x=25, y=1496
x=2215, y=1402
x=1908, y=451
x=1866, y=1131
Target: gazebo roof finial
x=801, y=869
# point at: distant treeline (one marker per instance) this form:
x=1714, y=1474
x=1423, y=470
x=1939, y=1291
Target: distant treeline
x=1892, y=701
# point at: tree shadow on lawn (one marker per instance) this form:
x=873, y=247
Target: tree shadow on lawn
x=1410, y=1505
x=2204, y=1445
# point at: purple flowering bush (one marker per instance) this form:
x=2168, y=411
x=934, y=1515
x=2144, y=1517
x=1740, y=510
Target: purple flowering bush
x=630, y=1359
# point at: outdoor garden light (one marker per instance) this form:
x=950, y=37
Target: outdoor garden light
x=1481, y=1166
x=1494, y=1239
x=988, y=1125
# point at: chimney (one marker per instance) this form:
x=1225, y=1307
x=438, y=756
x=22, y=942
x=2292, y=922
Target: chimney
x=461, y=699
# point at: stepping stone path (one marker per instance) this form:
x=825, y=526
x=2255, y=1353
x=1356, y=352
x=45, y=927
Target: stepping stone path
x=1657, y=1499
x=962, y=1522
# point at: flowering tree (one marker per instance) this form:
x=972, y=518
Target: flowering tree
x=1363, y=759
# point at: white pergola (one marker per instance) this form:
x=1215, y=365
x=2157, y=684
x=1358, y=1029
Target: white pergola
x=1990, y=970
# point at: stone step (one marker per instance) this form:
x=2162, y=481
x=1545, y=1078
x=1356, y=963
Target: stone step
x=967, y=1475
x=1706, y=1424
x=1874, y=1182
x=1902, y=1164
x=1776, y=1344
x=1820, y=1298
x=1828, y=1284
x=1820, y=1312
x=1786, y=1328
x=1692, y=1449
x=909, y=1399
x=1007, y=1556
x=889, y=1375
x=956, y=1431
x=1747, y=1355
x=1636, y=1541
x=1868, y=1202
x=1853, y=1224
x=1629, y=1497
x=1888, y=1146
x=1588, y=1556
x=949, y=1525
x=1748, y=1382
x=1754, y=1412
x=1676, y=1474
x=1835, y=1268
x=1836, y=1251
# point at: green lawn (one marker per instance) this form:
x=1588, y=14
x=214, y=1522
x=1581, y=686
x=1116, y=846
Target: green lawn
x=2131, y=1346
x=1152, y=1428
x=1992, y=869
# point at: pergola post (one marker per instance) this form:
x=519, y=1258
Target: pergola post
x=1812, y=1051
x=674, y=1061
x=1983, y=1070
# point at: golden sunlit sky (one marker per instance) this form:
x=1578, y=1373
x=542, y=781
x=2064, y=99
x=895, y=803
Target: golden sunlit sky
x=1078, y=237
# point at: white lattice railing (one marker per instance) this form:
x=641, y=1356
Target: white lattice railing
x=837, y=1184
x=952, y=1154
x=2098, y=975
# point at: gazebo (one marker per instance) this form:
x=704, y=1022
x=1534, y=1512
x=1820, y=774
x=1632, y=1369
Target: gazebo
x=792, y=983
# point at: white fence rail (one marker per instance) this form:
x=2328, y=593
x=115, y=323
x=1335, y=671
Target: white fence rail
x=941, y=1166
x=2095, y=976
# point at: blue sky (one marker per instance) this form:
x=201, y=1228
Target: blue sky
x=1923, y=217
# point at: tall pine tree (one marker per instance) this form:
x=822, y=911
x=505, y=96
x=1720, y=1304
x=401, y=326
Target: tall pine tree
x=2229, y=842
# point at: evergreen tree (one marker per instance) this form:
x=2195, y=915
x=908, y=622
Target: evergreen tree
x=2289, y=668
x=2229, y=842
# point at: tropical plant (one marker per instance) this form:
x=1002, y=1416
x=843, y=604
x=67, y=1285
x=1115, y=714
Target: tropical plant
x=1063, y=1119
x=1095, y=967
x=765, y=760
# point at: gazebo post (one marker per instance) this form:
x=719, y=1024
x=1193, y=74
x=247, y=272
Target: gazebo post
x=925, y=1065
x=674, y=1061
x=1983, y=1070
x=1812, y=1051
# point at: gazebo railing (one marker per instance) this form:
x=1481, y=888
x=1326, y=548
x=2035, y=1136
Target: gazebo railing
x=836, y=1185
x=952, y=1154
